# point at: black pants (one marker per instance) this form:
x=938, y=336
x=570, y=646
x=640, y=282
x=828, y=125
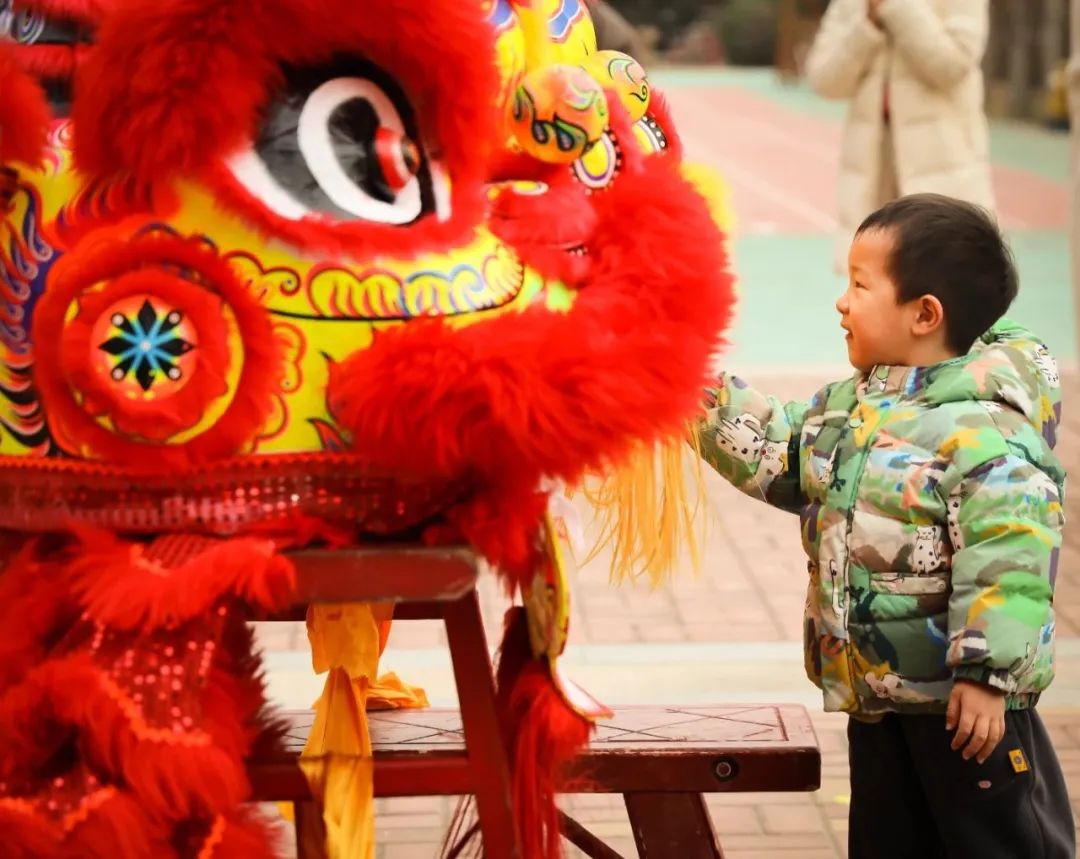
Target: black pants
x=913, y=796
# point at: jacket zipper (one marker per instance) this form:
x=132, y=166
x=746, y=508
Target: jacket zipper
x=863, y=454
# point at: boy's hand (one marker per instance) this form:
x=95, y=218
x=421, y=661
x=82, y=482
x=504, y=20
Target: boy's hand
x=977, y=712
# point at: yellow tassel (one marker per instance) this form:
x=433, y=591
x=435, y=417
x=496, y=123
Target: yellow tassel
x=646, y=512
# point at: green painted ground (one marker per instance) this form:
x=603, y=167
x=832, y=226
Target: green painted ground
x=786, y=319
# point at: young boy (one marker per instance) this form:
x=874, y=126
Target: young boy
x=931, y=509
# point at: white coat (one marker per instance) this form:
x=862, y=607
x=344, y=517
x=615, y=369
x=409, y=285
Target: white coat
x=927, y=56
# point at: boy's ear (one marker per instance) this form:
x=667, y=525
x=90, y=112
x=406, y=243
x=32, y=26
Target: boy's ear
x=930, y=316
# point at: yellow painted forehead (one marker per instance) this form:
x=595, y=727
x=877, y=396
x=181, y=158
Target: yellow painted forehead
x=532, y=33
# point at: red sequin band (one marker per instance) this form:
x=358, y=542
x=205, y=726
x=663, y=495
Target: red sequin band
x=224, y=498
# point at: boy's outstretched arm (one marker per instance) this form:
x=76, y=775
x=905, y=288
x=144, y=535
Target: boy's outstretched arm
x=1005, y=522
x=752, y=440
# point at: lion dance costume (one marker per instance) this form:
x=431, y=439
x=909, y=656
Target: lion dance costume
x=278, y=273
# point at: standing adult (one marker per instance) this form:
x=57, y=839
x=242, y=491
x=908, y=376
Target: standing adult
x=911, y=71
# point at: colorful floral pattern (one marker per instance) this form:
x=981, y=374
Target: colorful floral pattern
x=147, y=344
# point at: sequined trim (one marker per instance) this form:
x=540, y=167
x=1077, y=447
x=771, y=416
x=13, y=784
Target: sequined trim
x=21, y=806
x=225, y=498
x=91, y=803
x=194, y=739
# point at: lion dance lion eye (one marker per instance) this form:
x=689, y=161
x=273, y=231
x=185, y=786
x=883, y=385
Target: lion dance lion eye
x=339, y=141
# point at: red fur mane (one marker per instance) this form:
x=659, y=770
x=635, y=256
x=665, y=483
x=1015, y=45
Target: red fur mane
x=24, y=116
x=551, y=394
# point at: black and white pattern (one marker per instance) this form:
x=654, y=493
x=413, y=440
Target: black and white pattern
x=23, y=26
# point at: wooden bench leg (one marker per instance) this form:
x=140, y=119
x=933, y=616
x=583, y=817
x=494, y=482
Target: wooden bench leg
x=484, y=742
x=672, y=824
x=310, y=831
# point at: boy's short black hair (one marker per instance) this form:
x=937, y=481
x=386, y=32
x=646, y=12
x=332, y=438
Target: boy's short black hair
x=954, y=251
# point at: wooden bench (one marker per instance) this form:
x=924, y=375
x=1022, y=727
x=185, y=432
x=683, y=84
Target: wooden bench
x=661, y=759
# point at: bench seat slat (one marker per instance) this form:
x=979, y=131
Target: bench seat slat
x=389, y=573
x=642, y=749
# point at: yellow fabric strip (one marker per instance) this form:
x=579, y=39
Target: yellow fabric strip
x=347, y=641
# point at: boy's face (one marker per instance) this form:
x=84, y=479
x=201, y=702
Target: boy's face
x=879, y=328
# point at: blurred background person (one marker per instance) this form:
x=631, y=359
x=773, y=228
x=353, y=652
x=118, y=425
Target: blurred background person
x=911, y=71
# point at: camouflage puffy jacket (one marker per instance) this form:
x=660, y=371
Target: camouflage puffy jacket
x=932, y=512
